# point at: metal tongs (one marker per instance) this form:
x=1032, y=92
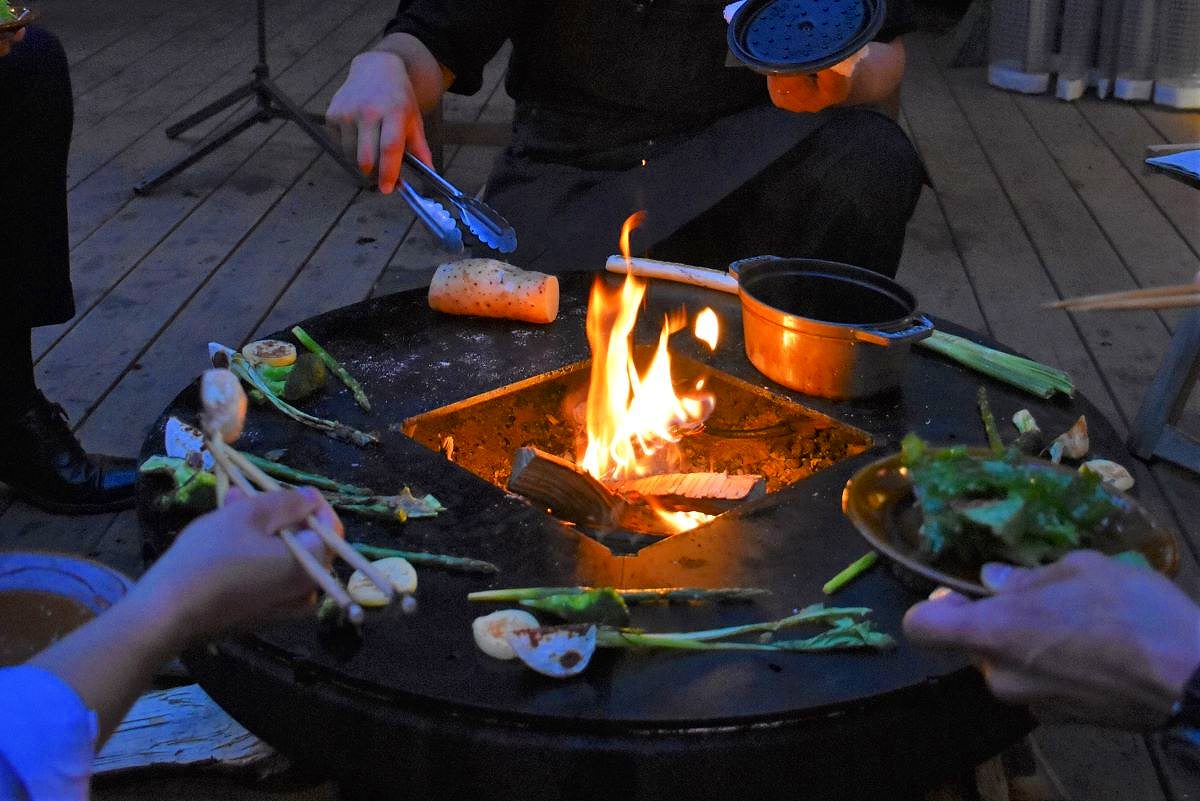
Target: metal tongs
x=481, y=220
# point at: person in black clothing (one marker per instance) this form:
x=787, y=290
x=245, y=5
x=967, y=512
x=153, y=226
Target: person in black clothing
x=40, y=459
x=629, y=104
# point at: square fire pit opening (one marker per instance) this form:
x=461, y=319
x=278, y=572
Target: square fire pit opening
x=751, y=431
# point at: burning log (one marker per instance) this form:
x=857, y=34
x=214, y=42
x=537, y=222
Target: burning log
x=712, y=493
x=565, y=489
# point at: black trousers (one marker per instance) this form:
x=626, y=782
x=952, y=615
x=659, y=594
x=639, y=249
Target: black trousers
x=843, y=194
x=36, y=115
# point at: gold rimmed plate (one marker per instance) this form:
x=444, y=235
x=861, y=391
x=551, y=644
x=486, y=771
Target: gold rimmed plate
x=23, y=15
x=880, y=502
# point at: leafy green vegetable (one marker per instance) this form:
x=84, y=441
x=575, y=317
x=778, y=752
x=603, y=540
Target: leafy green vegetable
x=600, y=605
x=1001, y=508
x=6, y=12
x=306, y=377
x=193, y=489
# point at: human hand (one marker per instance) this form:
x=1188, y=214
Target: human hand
x=8, y=39
x=229, y=567
x=1086, y=638
x=377, y=116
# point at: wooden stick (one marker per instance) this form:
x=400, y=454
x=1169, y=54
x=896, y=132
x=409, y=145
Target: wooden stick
x=1151, y=292
x=314, y=569
x=331, y=538
x=1164, y=302
x=670, y=271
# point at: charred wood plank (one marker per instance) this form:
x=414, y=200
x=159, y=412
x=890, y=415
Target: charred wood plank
x=564, y=488
x=711, y=493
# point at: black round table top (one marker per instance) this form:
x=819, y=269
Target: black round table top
x=412, y=360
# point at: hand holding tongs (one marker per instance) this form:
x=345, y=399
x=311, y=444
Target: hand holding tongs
x=481, y=219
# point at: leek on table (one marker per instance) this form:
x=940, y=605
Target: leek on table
x=1033, y=377
x=360, y=395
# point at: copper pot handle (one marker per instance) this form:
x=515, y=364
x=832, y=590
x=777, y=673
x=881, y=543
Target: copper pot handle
x=920, y=328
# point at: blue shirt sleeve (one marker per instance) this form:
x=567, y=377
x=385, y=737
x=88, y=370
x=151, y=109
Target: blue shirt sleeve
x=47, y=737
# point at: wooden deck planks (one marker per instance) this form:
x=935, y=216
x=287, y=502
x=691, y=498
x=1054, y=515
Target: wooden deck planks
x=1032, y=199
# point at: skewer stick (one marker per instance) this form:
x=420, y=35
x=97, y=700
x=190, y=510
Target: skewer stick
x=1164, y=302
x=1175, y=290
x=354, y=612
x=670, y=271
x=331, y=538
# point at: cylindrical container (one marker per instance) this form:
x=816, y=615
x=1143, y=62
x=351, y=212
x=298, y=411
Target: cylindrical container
x=1177, y=68
x=827, y=329
x=1136, y=50
x=1020, y=43
x=1077, y=51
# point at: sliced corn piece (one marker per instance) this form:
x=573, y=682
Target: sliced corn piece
x=397, y=570
x=491, y=631
x=271, y=352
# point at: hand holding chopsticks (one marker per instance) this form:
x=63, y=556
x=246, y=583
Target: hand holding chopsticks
x=1163, y=297
x=224, y=404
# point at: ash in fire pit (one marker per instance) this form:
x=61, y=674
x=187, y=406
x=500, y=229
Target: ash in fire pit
x=750, y=432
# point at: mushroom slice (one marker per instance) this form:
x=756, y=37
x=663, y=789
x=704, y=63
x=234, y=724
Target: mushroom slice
x=491, y=631
x=397, y=570
x=555, y=651
x=1072, y=443
x=186, y=442
x=1112, y=474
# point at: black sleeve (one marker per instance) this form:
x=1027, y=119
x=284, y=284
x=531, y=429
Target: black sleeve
x=897, y=20
x=463, y=35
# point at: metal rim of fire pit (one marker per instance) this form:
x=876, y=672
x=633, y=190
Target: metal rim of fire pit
x=417, y=683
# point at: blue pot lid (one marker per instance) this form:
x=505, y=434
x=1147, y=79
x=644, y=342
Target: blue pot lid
x=802, y=36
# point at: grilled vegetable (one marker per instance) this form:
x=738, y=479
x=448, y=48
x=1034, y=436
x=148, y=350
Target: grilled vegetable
x=360, y=395
x=601, y=605
x=490, y=288
x=1072, y=443
x=989, y=421
x=270, y=352
x=399, y=572
x=633, y=596
x=1111, y=473
x=306, y=377
x=850, y=572
x=461, y=564
x=224, y=404
x=491, y=631
x=1030, y=439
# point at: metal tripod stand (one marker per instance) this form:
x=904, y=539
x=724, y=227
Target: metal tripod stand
x=272, y=104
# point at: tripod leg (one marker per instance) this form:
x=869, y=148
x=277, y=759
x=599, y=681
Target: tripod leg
x=191, y=158
x=217, y=106
x=287, y=108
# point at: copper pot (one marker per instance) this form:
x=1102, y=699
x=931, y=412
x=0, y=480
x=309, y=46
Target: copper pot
x=827, y=329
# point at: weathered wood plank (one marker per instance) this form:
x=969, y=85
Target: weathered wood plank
x=86, y=31
x=24, y=527
x=1176, y=127
x=1148, y=245
x=1127, y=133
x=75, y=373
x=1003, y=266
x=190, y=49
x=226, y=308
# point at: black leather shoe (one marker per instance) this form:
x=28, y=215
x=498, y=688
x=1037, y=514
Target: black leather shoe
x=43, y=463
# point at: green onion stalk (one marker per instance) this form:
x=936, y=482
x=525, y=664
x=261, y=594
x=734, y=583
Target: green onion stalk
x=460, y=564
x=360, y=395
x=989, y=422
x=242, y=369
x=845, y=632
x=850, y=572
x=1026, y=374
x=637, y=596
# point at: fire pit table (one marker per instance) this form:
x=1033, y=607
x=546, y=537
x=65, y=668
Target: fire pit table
x=415, y=710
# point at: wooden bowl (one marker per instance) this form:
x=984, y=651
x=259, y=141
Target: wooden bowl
x=880, y=502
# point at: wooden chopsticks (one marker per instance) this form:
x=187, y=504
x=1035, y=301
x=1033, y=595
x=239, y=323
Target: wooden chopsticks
x=1163, y=297
x=239, y=470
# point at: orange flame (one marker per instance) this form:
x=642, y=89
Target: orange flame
x=708, y=328
x=632, y=416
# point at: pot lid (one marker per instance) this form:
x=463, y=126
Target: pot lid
x=802, y=36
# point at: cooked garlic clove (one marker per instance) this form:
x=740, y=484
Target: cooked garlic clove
x=491, y=631
x=1111, y=473
x=397, y=570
